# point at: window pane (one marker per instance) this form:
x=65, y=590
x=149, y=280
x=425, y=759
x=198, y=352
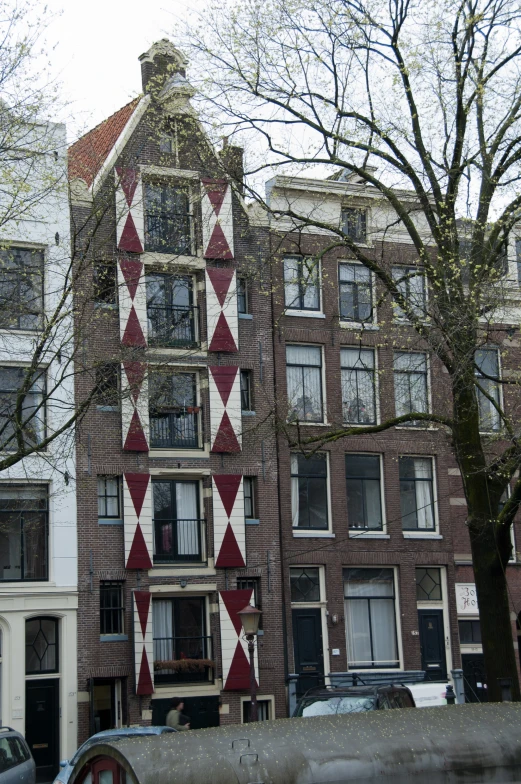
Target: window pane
x=428, y=584
x=368, y=582
x=304, y=355
x=305, y=584
x=364, y=466
x=21, y=288
x=383, y=632
x=291, y=283
x=358, y=633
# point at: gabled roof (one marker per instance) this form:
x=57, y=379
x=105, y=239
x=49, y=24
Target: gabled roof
x=89, y=153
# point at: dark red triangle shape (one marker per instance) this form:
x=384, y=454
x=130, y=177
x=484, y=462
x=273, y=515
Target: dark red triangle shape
x=222, y=339
x=226, y=440
x=128, y=179
x=239, y=674
x=144, y=684
x=230, y=555
x=235, y=601
x=228, y=487
x=218, y=247
x=224, y=376
x=216, y=194
x=142, y=599
x=129, y=239
x=135, y=372
x=131, y=270
x=133, y=335
x=137, y=487
x=135, y=440
x=221, y=279
x=138, y=557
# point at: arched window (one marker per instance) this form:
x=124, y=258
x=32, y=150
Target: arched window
x=41, y=645
x=102, y=771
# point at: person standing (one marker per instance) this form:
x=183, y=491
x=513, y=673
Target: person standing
x=175, y=717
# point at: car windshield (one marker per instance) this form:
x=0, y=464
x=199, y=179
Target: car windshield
x=329, y=706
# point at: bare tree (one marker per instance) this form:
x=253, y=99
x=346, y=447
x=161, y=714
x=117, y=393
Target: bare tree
x=421, y=103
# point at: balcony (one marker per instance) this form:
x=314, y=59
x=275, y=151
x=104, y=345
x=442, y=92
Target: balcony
x=167, y=233
x=180, y=541
x=173, y=326
x=183, y=660
x=175, y=429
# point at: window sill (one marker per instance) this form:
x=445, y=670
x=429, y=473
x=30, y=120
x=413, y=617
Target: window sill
x=246, y=316
x=416, y=427
x=360, y=424
x=359, y=325
x=105, y=305
x=308, y=424
x=196, y=452
x=14, y=330
x=252, y=521
x=354, y=534
x=420, y=535
x=305, y=313
x=113, y=638
x=311, y=534
x=248, y=413
x=110, y=521
x=107, y=408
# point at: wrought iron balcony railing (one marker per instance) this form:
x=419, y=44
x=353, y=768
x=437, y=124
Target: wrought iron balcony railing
x=175, y=429
x=173, y=326
x=183, y=660
x=180, y=541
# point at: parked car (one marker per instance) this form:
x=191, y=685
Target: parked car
x=16, y=762
x=353, y=699
x=66, y=766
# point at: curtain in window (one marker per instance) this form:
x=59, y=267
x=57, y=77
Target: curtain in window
x=187, y=522
x=384, y=634
x=410, y=383
x=358, y=387
x=163, y=631
x=291, y=283
x=294, y=492
x=424, y=505
x=305, y=382
x=358, y=633
x=370, y=617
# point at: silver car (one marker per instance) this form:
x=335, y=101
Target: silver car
x=16, y=763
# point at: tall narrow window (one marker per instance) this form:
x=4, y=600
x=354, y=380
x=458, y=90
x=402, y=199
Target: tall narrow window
x=33, y=414
x=41, y=645
x=356, y=293
x=168, y=219
x=242, y=296
x=109, y=497
x=246, y=396
x=178, y=529
x=364, y=498
x=358, y=386
x=104, y=280
x=249, y=498
x=23, y=532
x=304, y=378
x=518, y=259
x=417, y=494
x=487, y=373
x=410, y=282
x=112, y=610
x=21, y=288
x=410, y=384
x=370, y=618
x=309, y=492
x=172, y=316
x=251, y=584
x=354, y=223
x=174, y=413
x=301, y=283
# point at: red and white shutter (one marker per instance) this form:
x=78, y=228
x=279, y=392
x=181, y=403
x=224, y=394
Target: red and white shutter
x=229, y=529
x=132, y=296
x=221, y=309
x=135, y=425
x=217, y=219
x=225, y=408
x=143, y=642
x=137, y=509
x=234, y=649
x=130, y=224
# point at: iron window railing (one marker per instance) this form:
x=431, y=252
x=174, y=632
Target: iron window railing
x=178, y=428
x=173, y=326
x=179, y=541
x=183, y=660
x=169, y=233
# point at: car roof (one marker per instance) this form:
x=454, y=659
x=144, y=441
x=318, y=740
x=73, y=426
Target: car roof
x=346, y=691
x=148, y=730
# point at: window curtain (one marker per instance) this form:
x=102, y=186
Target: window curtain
x=384, y=632
x=187, y=522
x=310, y=275
x=294, y=491
x=358, y=633
x=291, y=283
x=163, y=631
x=304, y=382
x=423, y=485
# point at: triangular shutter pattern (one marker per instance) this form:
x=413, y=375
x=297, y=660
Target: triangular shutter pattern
x=217, y=219
x=234, y=649
x=137, y=509
x=143, y=642
x=130, y=225
x=221, y=310
x=225, y=408
x=228, y=521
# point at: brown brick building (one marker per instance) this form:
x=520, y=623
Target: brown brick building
x=177, y=467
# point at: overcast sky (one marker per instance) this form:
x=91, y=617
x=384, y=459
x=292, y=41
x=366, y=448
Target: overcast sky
x=97, y=46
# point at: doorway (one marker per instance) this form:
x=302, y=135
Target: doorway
x=106, y=704
x=308, y=648
x=432, y=644
x=42, y=709
x=475, y=679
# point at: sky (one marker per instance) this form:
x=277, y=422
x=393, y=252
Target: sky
x=97, y=45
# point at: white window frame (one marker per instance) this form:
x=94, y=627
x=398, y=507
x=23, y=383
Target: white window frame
x=397, y=613
x=324, y=420
x=358, y=325
x=269, y=698
x=497, y=432
x=419, y=425
x=320, y=533
x=189, y=567
x=440, y=604
x=200, y=383
x=322, y=605
x=368, y=222
x=434, y=534
x=304, y=312
x=362, y=533
x=402, y=319
x=162, y=269
x=112, y=520
x=374, y=349
x=154, y=174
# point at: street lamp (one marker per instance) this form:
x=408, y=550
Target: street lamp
x=250, y=618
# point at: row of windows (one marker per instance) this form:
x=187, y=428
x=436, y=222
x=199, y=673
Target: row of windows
x=359, y=381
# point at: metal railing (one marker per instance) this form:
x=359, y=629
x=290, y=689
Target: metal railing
x=178, y=428
x=173, y=326
x=183, y=660
x=169, y=233
x=180, y=541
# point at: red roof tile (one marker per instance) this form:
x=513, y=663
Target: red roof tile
x=88, y=154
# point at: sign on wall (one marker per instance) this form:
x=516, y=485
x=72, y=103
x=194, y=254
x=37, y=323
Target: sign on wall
x=466, y=599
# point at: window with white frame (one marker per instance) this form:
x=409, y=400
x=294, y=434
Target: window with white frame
x=305, y=584
x=24, y=532
x=355, y=293
x=182, y=646
x=370, y=611
x=410, y=384
x=109, y=497
x=364, y=493
x=428, y=584
x=410, y=282
x=171, y=310
x=179, y=530
x=304, y=380
x=21, y=288
x=168, y=218
x=358, y=378
x=417, y=493
x=174, y=413
x=354, y=223
x=301, y=283
x=263, y=711
x=518, y=259
x=489, y=398
x=32, y=414
x=309, y=500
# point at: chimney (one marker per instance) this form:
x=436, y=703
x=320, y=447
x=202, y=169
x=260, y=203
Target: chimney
x=232, y=161
x=161, y=60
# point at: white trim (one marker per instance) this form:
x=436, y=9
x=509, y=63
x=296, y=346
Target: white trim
x=269, y=698
x=422, y=533
x=379, y=533
x=305, y=313
x=324, y=421
x=344, y=323
x=374, y=349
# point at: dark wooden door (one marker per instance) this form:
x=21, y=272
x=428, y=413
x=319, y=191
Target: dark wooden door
x=308, y=647
x=432, y=642
x=42, y=708
x=475, y=679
